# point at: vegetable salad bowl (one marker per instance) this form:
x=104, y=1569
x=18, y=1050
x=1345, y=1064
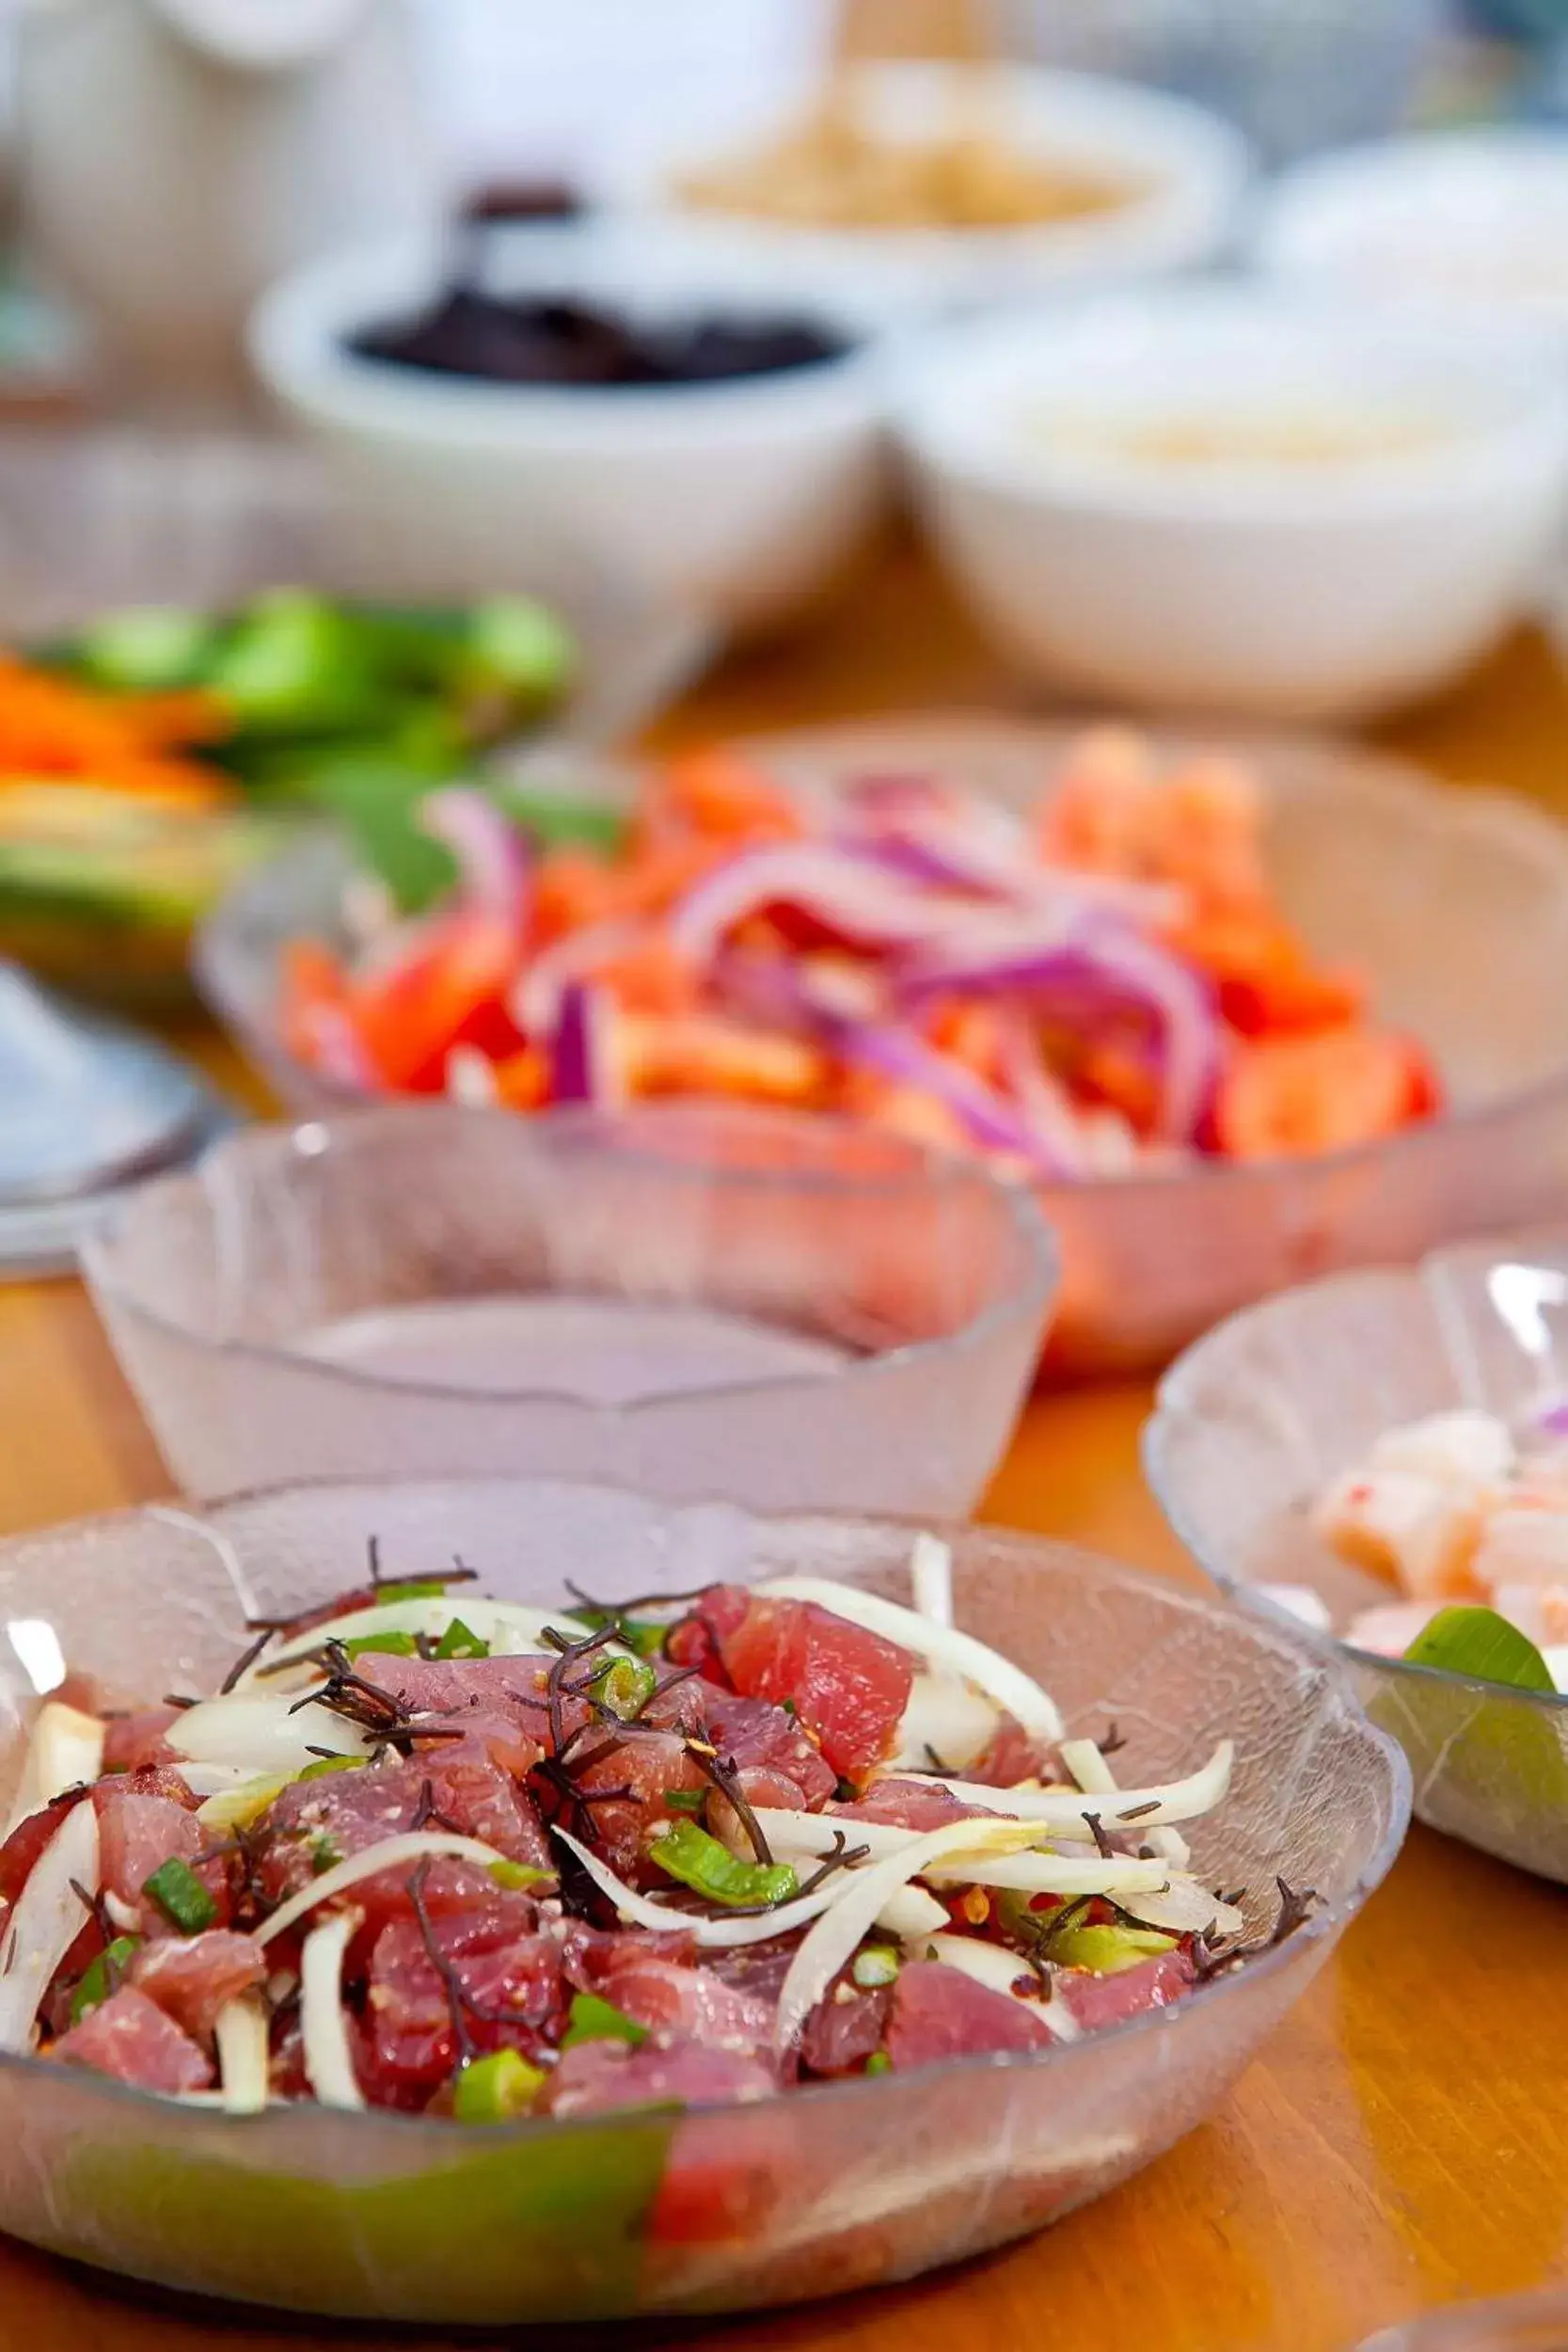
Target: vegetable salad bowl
x=1453, y=904
x=376, y=2215
x=1255, y=1422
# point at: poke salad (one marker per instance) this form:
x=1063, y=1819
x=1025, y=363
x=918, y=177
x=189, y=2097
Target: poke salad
x=1105, y=986
x=432, y=1852
x=1467, y=1517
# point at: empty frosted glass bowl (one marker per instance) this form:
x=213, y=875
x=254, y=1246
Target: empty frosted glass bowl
x=1454, y=904
x=1254, y=1422
x=686, y=1299
x=387, y=2216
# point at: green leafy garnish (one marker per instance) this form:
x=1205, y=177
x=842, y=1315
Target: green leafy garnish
x=325, y=1764
x=325, y=1853
x=592, y=2020
x=1482, y=1644
x=413, y=1589
x=103, y=1975
x=180, y=1896
x=494, y=2090
x=697, y=1859
x=686, y=1799
x=878, y=2063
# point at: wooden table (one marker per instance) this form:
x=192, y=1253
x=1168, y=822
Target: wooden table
x=1404, y=2140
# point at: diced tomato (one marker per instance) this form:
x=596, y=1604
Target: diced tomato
x=846, y=1685
x=718, y=790
x=1296, y=1096
x=313, y=992
x=650, y=978
x=710, y=1055
x=523, y=1080
x=1266, y=979
x=452, y=991
x=573, y=891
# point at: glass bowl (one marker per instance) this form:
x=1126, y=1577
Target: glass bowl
x=1254, y=1421
x=686, y=1299
x=103, y=896
x=1455, y=903
x=1524, y=2323
x=386, y=2216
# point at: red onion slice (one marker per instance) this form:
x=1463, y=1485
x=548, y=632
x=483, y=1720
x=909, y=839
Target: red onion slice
x=494, y=866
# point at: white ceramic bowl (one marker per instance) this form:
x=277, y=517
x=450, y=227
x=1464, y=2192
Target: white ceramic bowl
x=1471, y=225
x=1305, y=590
x=1191, y=171
x=739, y=499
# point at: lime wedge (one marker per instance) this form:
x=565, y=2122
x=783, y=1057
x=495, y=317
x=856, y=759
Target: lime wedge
x=1485, y=1646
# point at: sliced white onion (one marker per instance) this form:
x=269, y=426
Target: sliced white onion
x=240, y=2031
x=256, y=1729
x=324, y=2032
x=1057, y=1808
x=410, y=1845
x=1183, y=1908
x=1090, y=1768
x=1053, y=1874
x=44, y=1922
x=511, y=1628
x=912, y=1914
x=716, y=1935
x=828, y=1944
x=67, y=1747
x=947, y=1649
x=945, y=1717
x=931, y=1576
x=236, y=1802
x=991, y=1964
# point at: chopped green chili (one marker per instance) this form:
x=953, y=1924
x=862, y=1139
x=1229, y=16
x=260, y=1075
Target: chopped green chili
x=325, y=1764
x=519, y=1876
x=592, y=2020
x=391, y=1645
x=180, y=1896
x=494, y=2090
x=877, y=1965
x=699, y=1861
x=101, y=1976
x=461, y=1640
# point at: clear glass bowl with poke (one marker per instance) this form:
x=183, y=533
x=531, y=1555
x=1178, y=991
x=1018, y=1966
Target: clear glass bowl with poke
x=738, y=1925
x=1238, y=1016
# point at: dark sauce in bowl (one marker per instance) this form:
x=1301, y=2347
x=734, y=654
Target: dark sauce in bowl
x=554, y=340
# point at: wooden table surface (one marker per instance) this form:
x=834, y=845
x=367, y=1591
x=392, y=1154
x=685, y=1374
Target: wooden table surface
x=1402, y=2141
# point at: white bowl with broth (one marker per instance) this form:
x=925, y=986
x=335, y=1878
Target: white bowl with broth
x=1233, y=501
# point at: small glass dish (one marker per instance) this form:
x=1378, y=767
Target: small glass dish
x=102, y=893
x=1454, y=903
x=1523, y=2323
x=1254, y=1421
x=844, y=2185
x=686, y=1299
